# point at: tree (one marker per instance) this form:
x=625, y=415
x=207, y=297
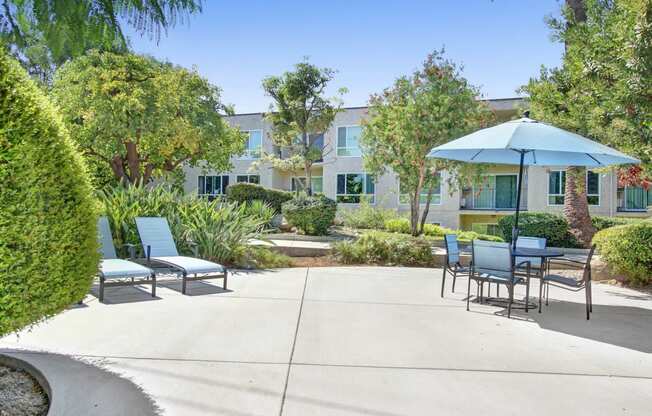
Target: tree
x=300, y=113
x=143, y=117
x=602, y=89
x=432, y=107
x=43, y=34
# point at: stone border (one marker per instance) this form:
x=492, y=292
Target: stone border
x=18, y=364
x=80, y=387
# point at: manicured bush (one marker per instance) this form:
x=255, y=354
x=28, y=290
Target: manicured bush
x=538, y=224
x=220, y=230
x=382, y=248
x=48, y=221
x=367, y=216
x=627, y=249
x=248, y=192
x=600, y=223
x=311, y=215
x=398, y=225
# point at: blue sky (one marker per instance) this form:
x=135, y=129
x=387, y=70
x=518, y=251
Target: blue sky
x=235, y=44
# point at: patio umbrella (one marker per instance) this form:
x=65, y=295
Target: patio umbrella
x=527, y=142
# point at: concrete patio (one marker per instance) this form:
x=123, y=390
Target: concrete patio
x=362, y=341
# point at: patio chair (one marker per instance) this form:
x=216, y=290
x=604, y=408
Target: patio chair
x=537, y=266
x=568, y=283
x=160, y=249
x=452, y=263
x=492, y=263
x=113, y=270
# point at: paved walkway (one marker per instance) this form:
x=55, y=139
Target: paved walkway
x=362, y=341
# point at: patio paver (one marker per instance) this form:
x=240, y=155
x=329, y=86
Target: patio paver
x=363, y=341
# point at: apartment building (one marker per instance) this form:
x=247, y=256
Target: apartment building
x=340, y=175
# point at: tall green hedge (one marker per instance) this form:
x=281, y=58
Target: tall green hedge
x=48, y=237
x=539, y=224
x=627, y=249
x=247, y=192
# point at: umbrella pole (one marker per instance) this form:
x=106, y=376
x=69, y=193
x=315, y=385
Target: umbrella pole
x=518, y=198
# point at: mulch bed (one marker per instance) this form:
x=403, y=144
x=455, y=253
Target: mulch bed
x=20, y=394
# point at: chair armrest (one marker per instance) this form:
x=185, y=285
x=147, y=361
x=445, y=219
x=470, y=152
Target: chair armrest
x=194, y=247
x=526, y=264
x=567, y=262
x=132, y=250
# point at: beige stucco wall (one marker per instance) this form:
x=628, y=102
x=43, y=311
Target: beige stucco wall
x=447, y=213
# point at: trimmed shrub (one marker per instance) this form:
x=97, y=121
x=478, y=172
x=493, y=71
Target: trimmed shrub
x=248, y=192
x=398, y=225
x=377, y=247
x=367, y=216
x=539, y=224
x=627, y=249
x=311, y=215
x=48, y=221
x=600, y=223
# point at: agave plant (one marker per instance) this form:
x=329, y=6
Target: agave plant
x=261, y=210
x=219, y=231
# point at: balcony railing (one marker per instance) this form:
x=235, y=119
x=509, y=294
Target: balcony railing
x=490, y=200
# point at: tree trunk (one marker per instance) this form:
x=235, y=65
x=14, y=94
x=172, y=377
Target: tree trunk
x=426, y=209
x=307, y=165
x=414, y=204
x=118, y=168
x=576, y=206
x=133, y=162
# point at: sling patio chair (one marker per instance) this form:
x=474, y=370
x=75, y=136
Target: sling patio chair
x=452, y=263
x=568, y=283
x=113, y=271
x=160, y=249
x=491, y=262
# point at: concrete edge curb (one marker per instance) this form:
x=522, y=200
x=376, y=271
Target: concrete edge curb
x=17, y=363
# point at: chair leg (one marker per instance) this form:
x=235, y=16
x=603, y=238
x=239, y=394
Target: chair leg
x=588, y=302
x=443, y=282
x=547, y=293
x=101, y=289
x=482, y=291
x=153, y=277
x=527, y=295
x=183, y=284
x=497, y=290
x=510, y=289
x=590, y=289
x=489, y=290
x=468, y=294
x=541, y=283
x=454, y=278
x=226, y=275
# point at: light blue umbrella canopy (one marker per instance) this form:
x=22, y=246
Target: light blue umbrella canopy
x=540, y=143
x=527, y=142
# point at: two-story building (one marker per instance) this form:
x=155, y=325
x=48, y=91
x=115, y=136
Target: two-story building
x=340, y=175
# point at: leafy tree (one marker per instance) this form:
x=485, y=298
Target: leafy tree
x=433, y=106
x=602, y=89
x=142, y=117
x=300, y=112
x=43, y=34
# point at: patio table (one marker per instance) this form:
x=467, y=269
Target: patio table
x=544, y=254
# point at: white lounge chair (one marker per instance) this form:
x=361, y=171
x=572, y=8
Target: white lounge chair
x=160, y=248
x=113, y=270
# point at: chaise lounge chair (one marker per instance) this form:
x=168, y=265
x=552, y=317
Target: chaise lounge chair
x=160, y=249
x=113, y=270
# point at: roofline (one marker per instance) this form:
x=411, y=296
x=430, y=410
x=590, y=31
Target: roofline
x=362, y=107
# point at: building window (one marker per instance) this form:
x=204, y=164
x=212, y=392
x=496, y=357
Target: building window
x=353, y=187
x=435, y=198
x=253, y=145
x=348, y=141
x=592, y=188
x=496, y=192
x=299, y=184
x=248, y=179
x=634, y=198
x=212, y=186
x=557, y=187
